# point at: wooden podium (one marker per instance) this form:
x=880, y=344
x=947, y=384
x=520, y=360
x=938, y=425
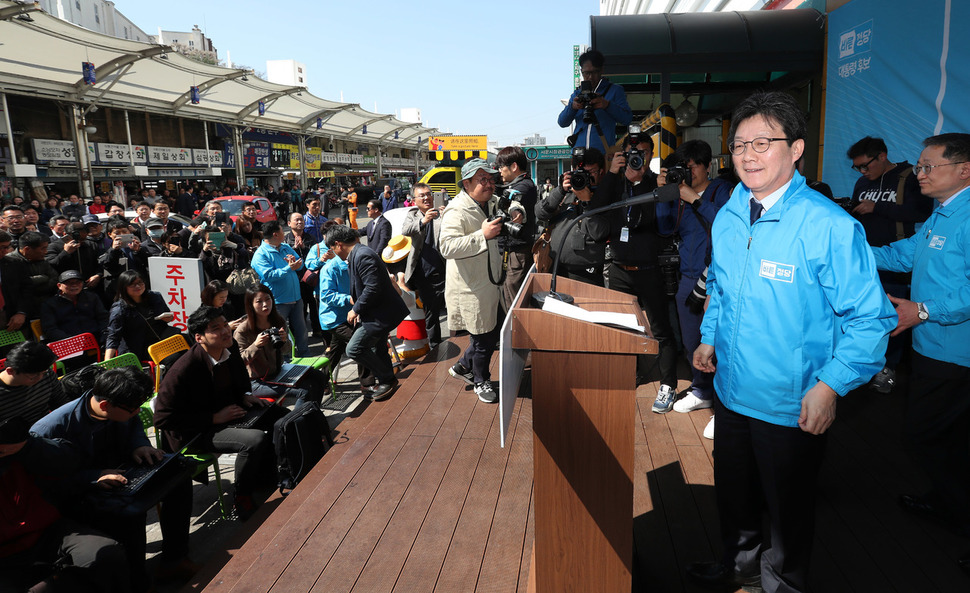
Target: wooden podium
x=583, y=401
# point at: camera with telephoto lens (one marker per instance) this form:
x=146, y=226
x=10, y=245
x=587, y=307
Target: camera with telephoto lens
x=275, y=338
x=669, y=263
x=509, y=228
x=695, y=300
x=579, y=178
x=633, y=155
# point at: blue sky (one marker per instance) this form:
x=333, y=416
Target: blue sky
x=498, y=68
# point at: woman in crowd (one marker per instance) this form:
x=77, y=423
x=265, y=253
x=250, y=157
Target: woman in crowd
x=53, y=209
x=216, y=294
x=139, y=318
x=263, y=353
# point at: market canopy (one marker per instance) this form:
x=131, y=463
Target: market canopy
x=42, y=56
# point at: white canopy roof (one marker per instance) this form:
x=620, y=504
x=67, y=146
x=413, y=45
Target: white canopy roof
x=41, y=55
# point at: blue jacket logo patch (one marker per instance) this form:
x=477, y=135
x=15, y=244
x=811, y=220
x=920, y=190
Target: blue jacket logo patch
x=937, y=242
x=775, y=271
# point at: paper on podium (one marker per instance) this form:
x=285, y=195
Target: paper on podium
x=623, y=320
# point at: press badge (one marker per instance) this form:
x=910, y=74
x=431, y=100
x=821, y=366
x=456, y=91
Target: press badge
x=624, y=235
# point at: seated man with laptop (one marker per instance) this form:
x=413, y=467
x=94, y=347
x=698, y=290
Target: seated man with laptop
x=262, y=343
x=104, y=427
x=201, y=397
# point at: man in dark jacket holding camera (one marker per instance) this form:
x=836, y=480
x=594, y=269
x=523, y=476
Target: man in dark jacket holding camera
x=584, y=250
x=513, y=166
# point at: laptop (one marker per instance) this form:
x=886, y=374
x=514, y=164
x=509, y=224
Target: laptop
x=289, y=375
x=139, y=476
x=252, y=417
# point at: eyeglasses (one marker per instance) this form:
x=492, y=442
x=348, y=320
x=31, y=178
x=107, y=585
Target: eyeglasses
x=590, y=72
x=486, y=180
x=864, y=168
x=758, y=144
x=917, y=169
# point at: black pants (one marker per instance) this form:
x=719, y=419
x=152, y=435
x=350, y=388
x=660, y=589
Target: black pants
x=431, y=291
x=519, y=262
x=937, y=423
x=761, y=467
x=337, y=339
x=478, y=355
x=84, y=561
x=647, y=286
x=310, y=302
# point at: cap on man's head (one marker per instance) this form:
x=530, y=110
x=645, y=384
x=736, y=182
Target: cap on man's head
x=69, y=275
x=469, y=169
x=154, y=222
x=90, y=219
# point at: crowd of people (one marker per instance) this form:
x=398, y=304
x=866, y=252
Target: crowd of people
x=780, y=299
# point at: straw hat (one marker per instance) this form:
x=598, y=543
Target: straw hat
x=397, y=249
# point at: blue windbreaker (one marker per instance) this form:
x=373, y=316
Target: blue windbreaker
x=939, y=257
x=274, y=271
x=795, y=299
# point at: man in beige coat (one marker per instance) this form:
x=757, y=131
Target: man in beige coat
x=469, y=245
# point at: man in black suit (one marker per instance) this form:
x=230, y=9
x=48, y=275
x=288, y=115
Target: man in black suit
x=377, y=309
x=378, y=230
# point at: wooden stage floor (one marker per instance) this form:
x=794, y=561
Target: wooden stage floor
x=417, y=496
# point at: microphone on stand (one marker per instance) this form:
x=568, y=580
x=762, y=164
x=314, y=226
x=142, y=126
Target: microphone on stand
x=666, y=193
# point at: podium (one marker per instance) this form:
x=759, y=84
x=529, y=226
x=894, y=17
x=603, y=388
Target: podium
x=584, y=408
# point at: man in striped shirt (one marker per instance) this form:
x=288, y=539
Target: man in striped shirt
x=29, y=389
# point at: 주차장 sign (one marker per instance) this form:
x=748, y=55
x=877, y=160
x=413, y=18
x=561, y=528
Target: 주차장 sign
x=180, y=281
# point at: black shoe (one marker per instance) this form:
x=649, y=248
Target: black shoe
x=964, y=563
x=458, y=371
x=486, y=392
x=383, y=391
x=917, y=505
x=715, y=574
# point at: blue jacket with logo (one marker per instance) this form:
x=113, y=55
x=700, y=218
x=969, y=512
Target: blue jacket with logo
x=795, y=299
x=275, y=272
x=939, y=257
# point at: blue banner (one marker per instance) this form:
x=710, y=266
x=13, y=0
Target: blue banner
x=897, y=70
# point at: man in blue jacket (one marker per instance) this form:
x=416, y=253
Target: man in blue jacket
x=797, y=317
x=277, y=265
x=608, y=107
x=377, y=308
x=938, y=409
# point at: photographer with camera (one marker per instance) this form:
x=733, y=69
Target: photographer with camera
x=263, y=341
x=584, y=250
x=469, y=244
x=691, y=217
x=513, y=166
x=596, y=107
x=636, y=244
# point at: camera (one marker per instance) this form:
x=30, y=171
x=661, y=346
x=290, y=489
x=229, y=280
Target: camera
x=580, y=178
x=509, y=228
x=695, y=300
x=678, y=174
x=275, y=338
x=585, y=97
x=635, y=157
x=669, y=262
x=76, y=236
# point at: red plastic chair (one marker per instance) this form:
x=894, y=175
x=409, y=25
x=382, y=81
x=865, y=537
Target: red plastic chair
x=75, y=345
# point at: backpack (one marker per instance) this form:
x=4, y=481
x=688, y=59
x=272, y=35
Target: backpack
x=300, y=439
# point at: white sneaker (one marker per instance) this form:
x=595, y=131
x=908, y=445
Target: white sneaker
x=709, y=430
x=691, y=402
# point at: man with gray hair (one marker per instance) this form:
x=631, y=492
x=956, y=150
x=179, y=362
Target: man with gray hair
x=425, y=270
x=938, y=409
